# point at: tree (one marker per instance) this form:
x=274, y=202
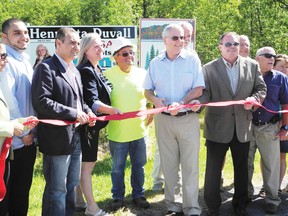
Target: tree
x=265, y=22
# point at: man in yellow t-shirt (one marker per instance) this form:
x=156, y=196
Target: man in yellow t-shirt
x=127, y=136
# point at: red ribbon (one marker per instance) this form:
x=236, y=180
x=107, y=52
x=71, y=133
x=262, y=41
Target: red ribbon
x=3, y=155
x=140, y=113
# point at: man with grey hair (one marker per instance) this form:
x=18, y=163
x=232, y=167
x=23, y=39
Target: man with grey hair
x=175, y=78
x=157, y=173
x=244, y=50
x=266, y=132
x=188, y=33
x=228, y=78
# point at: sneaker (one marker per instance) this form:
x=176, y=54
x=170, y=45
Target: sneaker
x=98, y=213
x=157, y=186
x=117, y=204
x=271, y=208
x=262, y=192
x=173, y=213
x=141, y=202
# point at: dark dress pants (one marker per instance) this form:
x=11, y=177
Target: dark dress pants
x=214, y=160
x=21, y=179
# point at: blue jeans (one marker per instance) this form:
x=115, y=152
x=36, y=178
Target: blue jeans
x=62, y=175
x=137, y=153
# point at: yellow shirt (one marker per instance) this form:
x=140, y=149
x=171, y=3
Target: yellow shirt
x=127, y=95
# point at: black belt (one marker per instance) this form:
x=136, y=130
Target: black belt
x=179, y=113
x=273, y=120
x=261, y=123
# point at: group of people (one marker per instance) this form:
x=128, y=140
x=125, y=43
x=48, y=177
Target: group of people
x=58, y=89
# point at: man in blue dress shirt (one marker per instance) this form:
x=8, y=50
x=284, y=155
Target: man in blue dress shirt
x=266, y=130
x=18, y=76
x=174, y=77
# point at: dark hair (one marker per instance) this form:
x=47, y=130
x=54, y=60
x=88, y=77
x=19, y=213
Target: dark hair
x=223, y=35
x=6, y=24
x=62, y=32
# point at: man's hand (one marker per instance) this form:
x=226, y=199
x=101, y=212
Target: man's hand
x=250, y=103
x=28, y=139
x=195, y=106
x=34, y=122
x=283, y=134
x=174, y=108
x=82, y=117
x=92, y=120
x=18, y=128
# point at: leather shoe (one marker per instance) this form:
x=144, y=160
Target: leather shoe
x=212, y=212
x=141, y=202
x=117, y=204
x=271, y=208
x=241, y=211
x=173, y=213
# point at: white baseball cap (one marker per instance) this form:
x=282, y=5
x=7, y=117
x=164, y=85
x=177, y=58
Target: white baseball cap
x=120, y=43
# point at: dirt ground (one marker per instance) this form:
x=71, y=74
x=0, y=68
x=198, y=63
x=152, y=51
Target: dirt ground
x=158, y=208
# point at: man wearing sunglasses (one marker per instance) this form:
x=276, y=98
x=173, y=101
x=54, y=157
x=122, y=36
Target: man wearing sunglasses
x=128, y=135
x=266, y=129
x=228, y=78
x=175, y=78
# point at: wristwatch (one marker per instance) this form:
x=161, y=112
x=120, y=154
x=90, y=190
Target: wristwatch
x=284, y=127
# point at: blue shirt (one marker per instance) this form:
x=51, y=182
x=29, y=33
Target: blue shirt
x=17, y=89
x=277, y=93
x=172, y=80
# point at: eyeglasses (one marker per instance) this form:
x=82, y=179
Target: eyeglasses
x=125, y=54
x=175, y=38
x=3, y=56
x=268, y=55
x=229, y=44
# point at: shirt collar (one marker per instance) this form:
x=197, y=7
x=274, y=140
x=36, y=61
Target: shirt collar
x=19, y=55
x=235, y=64
x=64, y=64
x=182, y=54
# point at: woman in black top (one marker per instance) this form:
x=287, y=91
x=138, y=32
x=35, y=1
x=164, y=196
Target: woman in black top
x=96, y=91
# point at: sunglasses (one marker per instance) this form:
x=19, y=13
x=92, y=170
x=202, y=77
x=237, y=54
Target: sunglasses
x=125, y=54
x=229, y=44
x=175, y=38
x=268, y=55
x=3, y=56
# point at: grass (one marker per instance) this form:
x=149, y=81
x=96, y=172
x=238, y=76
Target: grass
x=102, y=182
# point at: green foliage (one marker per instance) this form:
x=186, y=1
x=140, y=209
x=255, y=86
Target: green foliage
x=263, y=21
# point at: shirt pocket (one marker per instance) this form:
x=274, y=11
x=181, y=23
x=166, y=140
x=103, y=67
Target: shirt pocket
x=273, y=92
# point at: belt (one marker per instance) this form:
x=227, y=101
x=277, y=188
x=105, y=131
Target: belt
x=179, y=113
x=261, y=123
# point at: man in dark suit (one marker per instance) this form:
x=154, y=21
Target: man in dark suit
x=57, y=94
x=230, y=77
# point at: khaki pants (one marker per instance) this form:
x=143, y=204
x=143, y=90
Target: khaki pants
x=179, y=142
